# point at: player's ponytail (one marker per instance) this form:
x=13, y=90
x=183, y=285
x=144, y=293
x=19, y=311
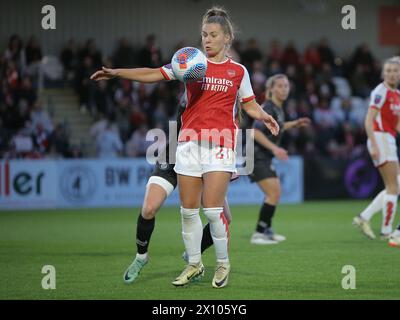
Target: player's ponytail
x=220, y=15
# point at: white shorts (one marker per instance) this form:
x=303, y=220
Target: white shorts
x=387, y=148
x=194, y=159
x=163, y=183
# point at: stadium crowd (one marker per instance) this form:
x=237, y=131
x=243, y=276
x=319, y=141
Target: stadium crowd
x=331, y=90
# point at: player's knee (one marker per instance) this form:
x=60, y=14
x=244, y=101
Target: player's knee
x=190, y=204
x=392, y=188
x=274, y=197
x=149, y=211
x=189, y=214
x=213, y=214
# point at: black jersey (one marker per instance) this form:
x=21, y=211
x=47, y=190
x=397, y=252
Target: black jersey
x=165, y=170
x=165, y=153
x=278, y=114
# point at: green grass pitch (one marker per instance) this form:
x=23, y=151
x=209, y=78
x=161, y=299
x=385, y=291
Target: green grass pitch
x=91, y=249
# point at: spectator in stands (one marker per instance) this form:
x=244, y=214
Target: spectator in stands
x=160, y=116
x=258, y=77
x=258, y=80
x=359, y=82
x=326, y=53
x=85, y=87
x=137, y=117
x=33, y=54
x=275, y=52
x=15, y=51
x=39, y=116
x=22, y=145
x=59, y=142
x=33, y=51
x=41, y=138
x=362, y=56
x=345, y=114
x=103, y=101
x=126, y=94
x=90, y=50
x=150, y=55
x=13, y=118
x=108, y=143
x=323, y=116
x=123, y=122
x=290, y=55
x=124, y=55
x=274, y=68
x=26, y=92
x=251, y=54
x=312, y=56
x=235, y=51
x=325, y=121
x=137, y=145
x=294, y=78
x=311, y=95
x=12, y=75
x=374, y=77
x=100, y=125
x=69, y=59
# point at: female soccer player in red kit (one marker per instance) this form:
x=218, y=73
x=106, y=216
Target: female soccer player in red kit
x=205, y=157
x=381, y=125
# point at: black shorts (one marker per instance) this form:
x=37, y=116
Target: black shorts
x=166, y=171
x=263, y=169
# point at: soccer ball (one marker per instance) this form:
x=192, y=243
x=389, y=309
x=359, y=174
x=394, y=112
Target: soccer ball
x=189, y=64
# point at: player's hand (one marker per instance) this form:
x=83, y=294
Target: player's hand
x=271, y=124
x=374, y=152
x=280, y=153
x=303, y=122
x=104, y=74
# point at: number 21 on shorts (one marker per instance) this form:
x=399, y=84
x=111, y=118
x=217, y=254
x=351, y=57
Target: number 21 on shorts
x=222, y=153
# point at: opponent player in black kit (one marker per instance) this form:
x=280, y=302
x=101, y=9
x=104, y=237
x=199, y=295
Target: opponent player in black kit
x=160, y=185
x=266, y=147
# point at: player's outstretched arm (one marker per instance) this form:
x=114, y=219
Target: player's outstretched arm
x=145, y=75
x=254, y=110
x=299, y=123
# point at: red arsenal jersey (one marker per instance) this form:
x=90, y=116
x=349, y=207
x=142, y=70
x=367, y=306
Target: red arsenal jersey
x=210, y=102
x=387, y=101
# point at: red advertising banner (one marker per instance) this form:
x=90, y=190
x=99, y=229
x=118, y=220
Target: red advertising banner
x=389, y=25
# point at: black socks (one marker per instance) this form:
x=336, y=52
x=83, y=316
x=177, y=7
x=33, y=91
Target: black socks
x=144, y=230
x=265, y=218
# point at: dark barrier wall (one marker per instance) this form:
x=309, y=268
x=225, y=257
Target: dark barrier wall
x=326, y=178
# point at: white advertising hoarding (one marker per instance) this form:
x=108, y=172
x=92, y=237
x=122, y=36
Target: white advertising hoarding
x=41, y=184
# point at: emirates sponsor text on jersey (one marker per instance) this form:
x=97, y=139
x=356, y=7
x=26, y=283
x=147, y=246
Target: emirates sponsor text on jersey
x=215, y=84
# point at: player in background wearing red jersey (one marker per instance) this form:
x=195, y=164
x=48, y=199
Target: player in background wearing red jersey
x=381, y=125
